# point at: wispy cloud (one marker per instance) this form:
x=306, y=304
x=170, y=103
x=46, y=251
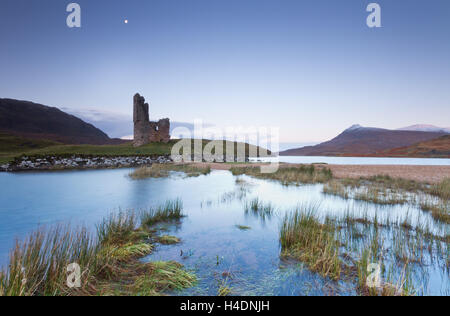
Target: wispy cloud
x=115, y=124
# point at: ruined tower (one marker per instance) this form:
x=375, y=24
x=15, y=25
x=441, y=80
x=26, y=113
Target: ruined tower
x=145, y=131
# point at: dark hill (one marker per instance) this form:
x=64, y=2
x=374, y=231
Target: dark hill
x=36, y=121
x=361, y=141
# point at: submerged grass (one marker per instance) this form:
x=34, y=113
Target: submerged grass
x=164, y=276
x=385, y=190
x=259, y=208
x=163, y=171
x=243, y=227
x=440, y=212
x=334, y=187
x=380, y=196
x=168, y=240
x=109, y=262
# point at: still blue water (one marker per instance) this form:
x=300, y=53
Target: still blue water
x=359, y=160
x=211, y=245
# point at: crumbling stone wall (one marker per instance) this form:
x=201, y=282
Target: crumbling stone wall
x=145, y=131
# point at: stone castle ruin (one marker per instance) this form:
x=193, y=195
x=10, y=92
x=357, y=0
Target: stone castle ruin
x=146, y=132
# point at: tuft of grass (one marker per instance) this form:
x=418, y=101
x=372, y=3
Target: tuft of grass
x=441, y=189
x=163, y=171
x=38, y=266
x=171, y=210
x=127, y=251
x=259, y=208
x=305, y=238
x=440, y=212
x=168, y=240
x=289, y=175
x=334, y=187
x=163, y=276
x=380, y=196
x=118, y=229
x=243, y=227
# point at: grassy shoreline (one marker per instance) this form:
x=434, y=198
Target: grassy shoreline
x=108, y=261
x=12, y=147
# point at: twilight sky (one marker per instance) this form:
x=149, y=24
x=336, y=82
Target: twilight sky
x=312, y=68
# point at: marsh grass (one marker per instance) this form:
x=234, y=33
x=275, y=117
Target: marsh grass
x=168, y=240
x=109, y=262
x=38, y=265
x=224, y=289
x=259, y=208
x=336, y=188
x=163, y=171
x=439, y=211
x=380, y=196
x=305, y=238
x=288, y=175
x=118, y=228
x=441, y=190
x=341, y=247
x=162, y=276
x=170, y=211
x=384, y=190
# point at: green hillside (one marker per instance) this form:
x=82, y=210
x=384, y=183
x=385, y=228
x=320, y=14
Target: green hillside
x=12, y=147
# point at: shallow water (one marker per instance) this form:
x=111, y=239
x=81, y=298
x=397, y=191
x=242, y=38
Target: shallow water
x=358, y=160
x=248, y=261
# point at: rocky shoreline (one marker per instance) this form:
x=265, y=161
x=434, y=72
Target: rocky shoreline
x=81, y=162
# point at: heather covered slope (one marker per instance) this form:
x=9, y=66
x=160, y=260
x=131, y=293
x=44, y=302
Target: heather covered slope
x=438, y=148
x=362, y=141
x=36, y=121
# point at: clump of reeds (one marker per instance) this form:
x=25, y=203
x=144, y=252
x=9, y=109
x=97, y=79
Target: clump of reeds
x=441, y=189
x=163, y=170
x=289, y=175
x=168, y=240
x=305, y=238
x=118, y=228
x=440, y=211
x=334, y=187
x=381, y=196
x=259, y=208
x=38, y=266
x=162, y=276
x=171, y=210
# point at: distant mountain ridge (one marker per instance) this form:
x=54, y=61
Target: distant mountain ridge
x=365, y=141
x=425, y=128
x=37, y=121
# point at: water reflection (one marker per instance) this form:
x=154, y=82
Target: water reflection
x=212, y=244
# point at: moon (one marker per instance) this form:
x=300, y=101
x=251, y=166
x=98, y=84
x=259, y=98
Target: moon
x=126, y=21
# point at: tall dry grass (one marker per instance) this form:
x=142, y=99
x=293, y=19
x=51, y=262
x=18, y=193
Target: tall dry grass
x=163, y=171
x=109, y=260
x=305, y=238
x=288, y=175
